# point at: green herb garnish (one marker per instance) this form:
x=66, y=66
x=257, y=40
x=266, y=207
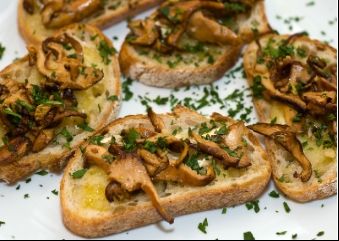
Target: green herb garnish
x=248, y=236
x=202, y=226
x=287, y=208
x=79, y=174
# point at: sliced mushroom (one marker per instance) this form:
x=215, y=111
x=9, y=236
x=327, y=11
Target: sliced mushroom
x=68, y=113
x=152, y=162
x=43, y=139
x=324, y=84
x=157, y=122
x=131, y=174
x=207, y=30
x=15, y=150
x=319, y=103
x=68, y=71
x=289, y=141
x=292, y=99
x=59, y=13
x=185, y=175
x=28, y=5
x=145, y=32
x=215, y=150
x=114, y=191
x=97, y=155
x=234, y=138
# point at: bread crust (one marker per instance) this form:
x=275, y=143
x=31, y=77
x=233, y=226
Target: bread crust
x=297, y=191
x=235, y=192
x=55, y=159
x=102, y=21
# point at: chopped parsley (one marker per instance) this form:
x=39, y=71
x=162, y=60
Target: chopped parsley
x=274, y=194
x=65, y=133
x=161, y=100
x=224, y=211
x=130, y=140
x=26, y=196
x=281, y=233
x=253, y=205
x=312, y=3
x=192, y=162
x=2, y=51
x=113, y=98
x=150, y=146
x=28, y=180
x=287, y=208
x=202, y=226
x=320, y=234
x=96, y=140
x=294, y=236
x=2, y=223
x=42, y=173
x=106, y=51
x=257, y=87
x=235, y=7
x=55, y=192
x=84, y=126
x=79, y=174
x=248, y=236
x=128, y=94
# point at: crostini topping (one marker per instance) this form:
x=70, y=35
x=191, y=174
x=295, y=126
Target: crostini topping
x=61, y=60
x=204, y=21
x=33, y=113
x=301, y=78
x=144, y=155
x=59, y=13
x=283, y=135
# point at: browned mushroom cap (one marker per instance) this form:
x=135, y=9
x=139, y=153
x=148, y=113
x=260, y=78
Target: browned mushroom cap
x=98, y=156
x=320, y=103
x=157, y=122
x=324, y=84
x=145, y=31
x=185, y=175
x=269, y=129
x=29, y=6
x=215, y=150
x=63, y=68
x=152, y=162
x=208, y=30
x=59, y=13
x=114, y=191
x=292, y=99
x=43, y=139
x=131, y=174
x=44, y=114
x=289, y=141
x=15, y=150
x=289, y=72
x=234, y=137
x=68, y=113
x=221, y=118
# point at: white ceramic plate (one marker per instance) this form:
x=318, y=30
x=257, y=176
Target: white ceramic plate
x=39, y=216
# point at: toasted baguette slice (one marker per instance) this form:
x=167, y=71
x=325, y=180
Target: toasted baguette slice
x=86, y=212
x=323, y=182
x=197, y=68
x=92, y=101
x=33, y=30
